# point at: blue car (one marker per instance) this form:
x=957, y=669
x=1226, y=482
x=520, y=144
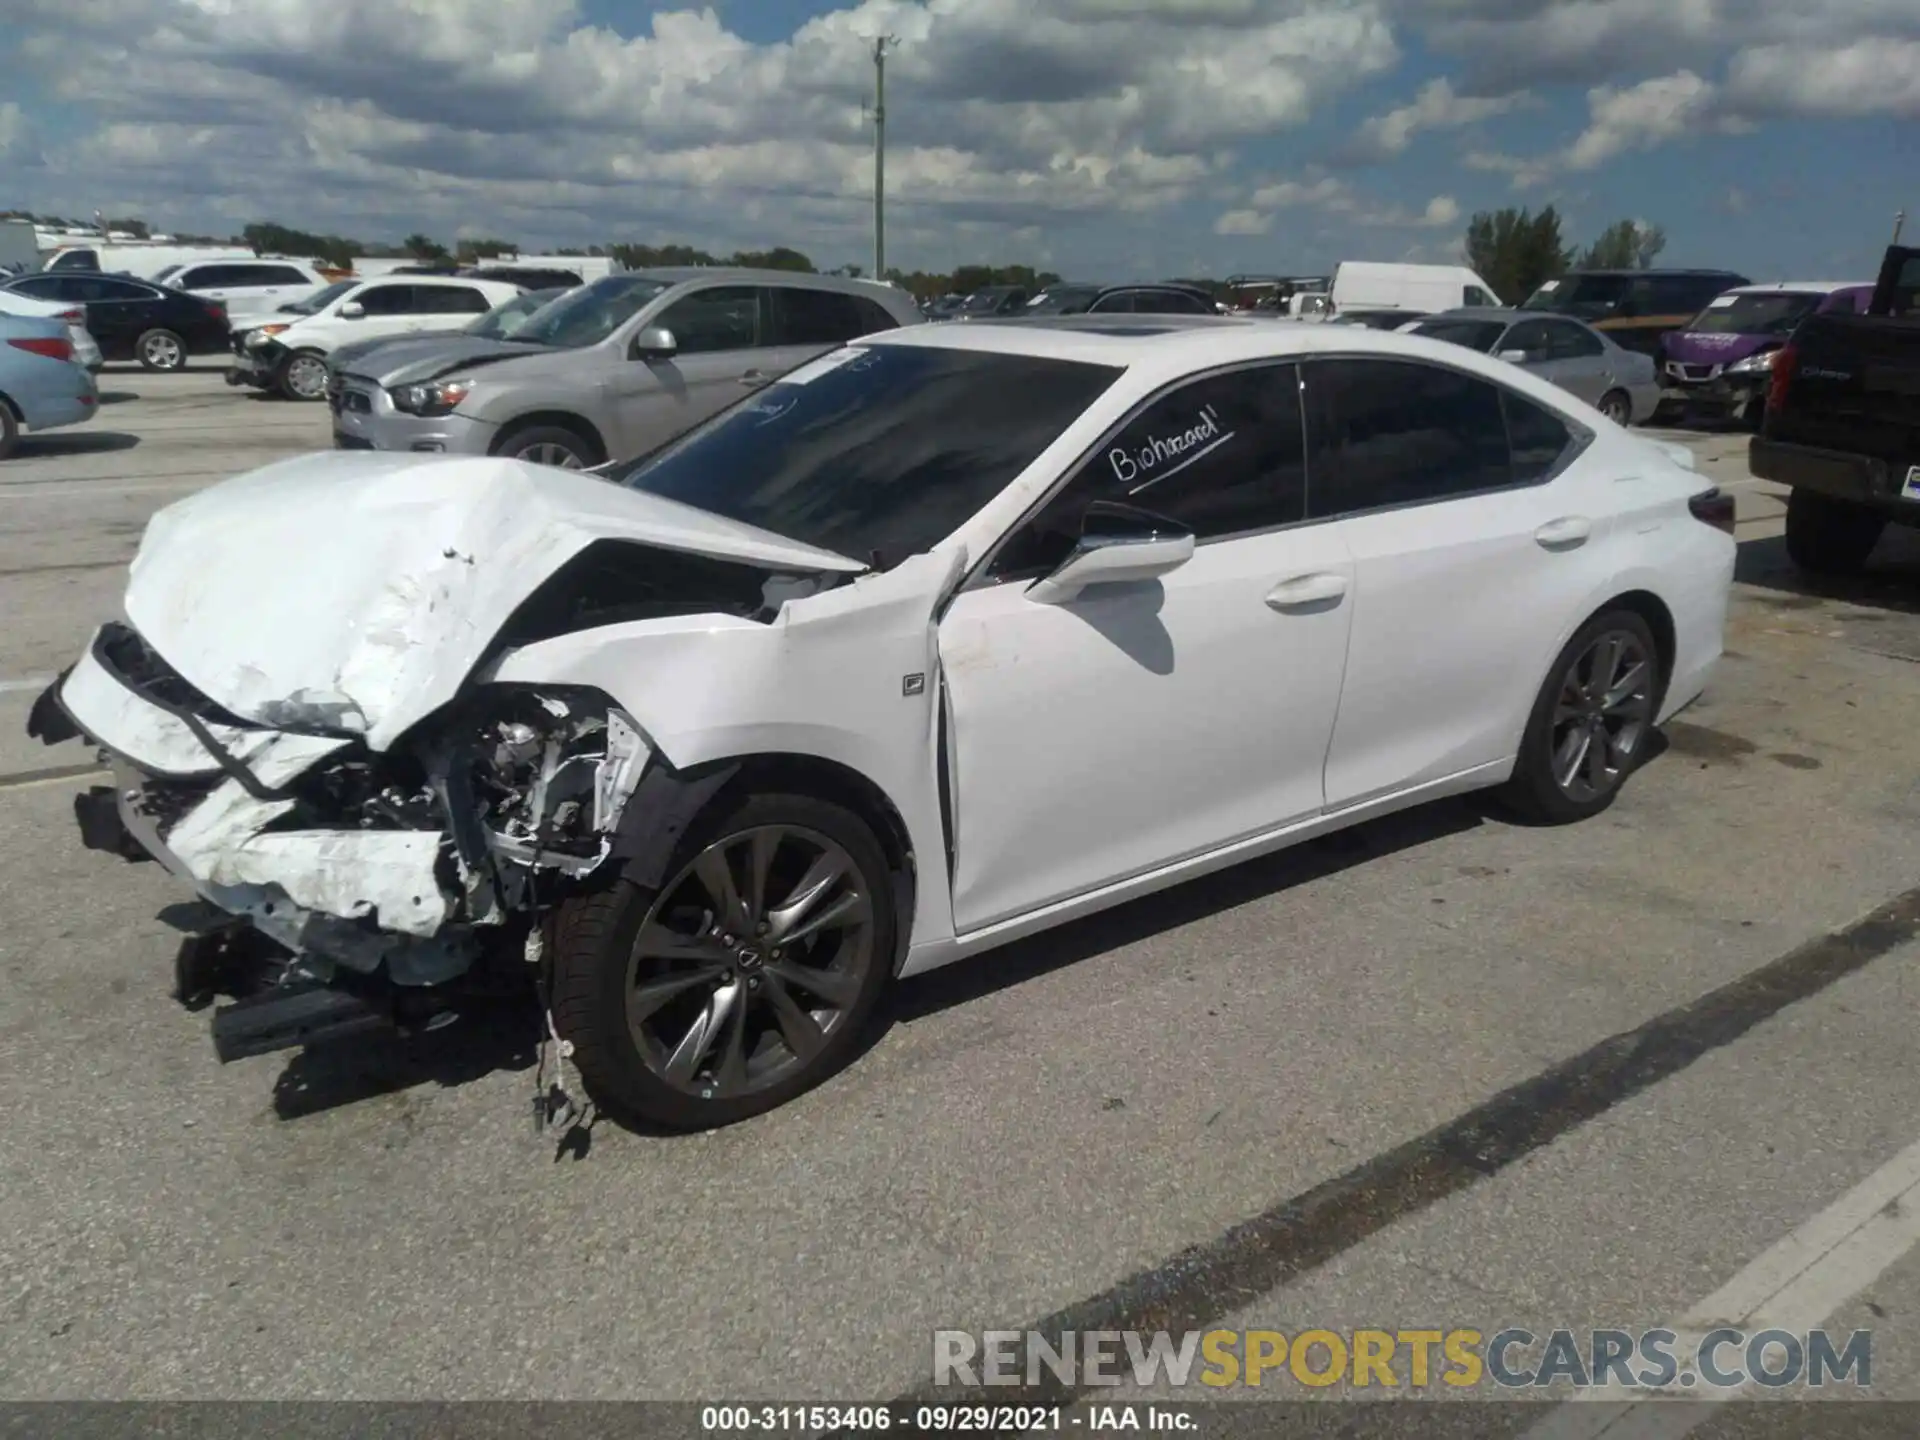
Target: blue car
x=42, y=387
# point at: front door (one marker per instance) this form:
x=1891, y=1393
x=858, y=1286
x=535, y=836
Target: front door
x=1143, y=723
x=716, y=361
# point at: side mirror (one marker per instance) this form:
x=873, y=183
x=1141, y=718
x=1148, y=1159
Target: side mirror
x=656, y=342
x=1514, y=357
x=352, y=310
x=1118, y=543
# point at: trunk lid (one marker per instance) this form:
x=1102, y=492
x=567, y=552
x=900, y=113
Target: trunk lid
x=355, y=591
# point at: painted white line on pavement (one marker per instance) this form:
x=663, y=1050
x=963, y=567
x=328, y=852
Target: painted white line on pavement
x=1794, y=1285
x=31, y=682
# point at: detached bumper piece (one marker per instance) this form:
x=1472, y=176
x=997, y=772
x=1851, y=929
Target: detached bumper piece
x=288, y=1017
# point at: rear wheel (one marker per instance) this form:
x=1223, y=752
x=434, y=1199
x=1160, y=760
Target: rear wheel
x=1617, y=406
x=1590, y=723
x=160, y=350
x=9, y=429
x=743, y=981
x=1830, y=537
x=557, y=445
x=304, y=376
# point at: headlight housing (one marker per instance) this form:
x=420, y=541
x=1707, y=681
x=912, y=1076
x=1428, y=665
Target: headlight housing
x=434, y=397
x=258, y=337
x=1761, y=364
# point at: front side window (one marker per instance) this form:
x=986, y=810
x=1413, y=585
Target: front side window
x=725, y=317
x=875, y=452
x=386, y=300
x=1476, y=296
x=1222, y=455
x=1392, y=432
x=320, y=299
x=1530, y=337
x=593, y=312
x=1571, y=342
x=209, y=277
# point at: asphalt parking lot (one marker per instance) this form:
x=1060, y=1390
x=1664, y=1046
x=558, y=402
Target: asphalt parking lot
x=1071, y=1128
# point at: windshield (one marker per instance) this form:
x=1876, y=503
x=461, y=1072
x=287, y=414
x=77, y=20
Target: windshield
x=1062, y=300
x=509, y=318
x=165, y=271
x=1773, y=314
x=1588, y=296
x=593, y=312
x=875, y=452
x=320, y=299
x=1474, y=334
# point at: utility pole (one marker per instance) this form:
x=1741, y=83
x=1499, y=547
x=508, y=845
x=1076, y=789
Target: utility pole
x=1899, y=224
x=881, y=45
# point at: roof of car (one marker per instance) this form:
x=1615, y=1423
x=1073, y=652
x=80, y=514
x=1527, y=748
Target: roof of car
x=1664, y=270
x=1801, y=287
x=1487, y=312
x=741, y=274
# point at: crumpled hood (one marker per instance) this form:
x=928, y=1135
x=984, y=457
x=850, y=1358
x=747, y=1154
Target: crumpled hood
x=346, y=358
x=423, y=357
x=356, y=590
x=1708, y=347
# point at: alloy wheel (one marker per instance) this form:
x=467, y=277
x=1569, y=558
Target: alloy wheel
x=162, y=352
x=1603, y=713
x=1617, y=408
x=307, y=377
x=748, y=961
x=549, y=453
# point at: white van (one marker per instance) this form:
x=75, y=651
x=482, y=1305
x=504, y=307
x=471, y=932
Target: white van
x=1374, y=285
x=142, y=261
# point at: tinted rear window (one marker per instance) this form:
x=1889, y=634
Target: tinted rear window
x=876, y=452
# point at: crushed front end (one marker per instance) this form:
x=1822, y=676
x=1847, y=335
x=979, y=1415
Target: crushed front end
x=382, y=882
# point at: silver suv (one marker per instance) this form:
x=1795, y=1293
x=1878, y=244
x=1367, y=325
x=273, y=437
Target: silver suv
x=610, y=370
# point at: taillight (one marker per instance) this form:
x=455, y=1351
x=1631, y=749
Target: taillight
x=1785, y=362
x=73, y=317
x=1713, y=507
x=61, y=349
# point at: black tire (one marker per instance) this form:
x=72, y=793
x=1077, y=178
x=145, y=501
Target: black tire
x=528, y=443
x=160, y=350
x=1826, y=536
x=295, y=378
x=1617, y=406
x=593, y=939
x=1754, y=414
x=9, y=429
x=1536, y=791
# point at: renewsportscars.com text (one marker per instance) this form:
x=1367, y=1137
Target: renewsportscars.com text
x=1409, y=1359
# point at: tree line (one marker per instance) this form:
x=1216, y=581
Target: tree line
x=1515, y=250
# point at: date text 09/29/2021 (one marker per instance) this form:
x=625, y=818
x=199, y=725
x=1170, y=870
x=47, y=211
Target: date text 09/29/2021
x=812, y=1420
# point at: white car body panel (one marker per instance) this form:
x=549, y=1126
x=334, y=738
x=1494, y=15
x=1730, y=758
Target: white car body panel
x=1097, y=749
x=322, y=332
x=206, y=279
x=398, y=543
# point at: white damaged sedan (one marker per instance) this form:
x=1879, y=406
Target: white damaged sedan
x=945, y=638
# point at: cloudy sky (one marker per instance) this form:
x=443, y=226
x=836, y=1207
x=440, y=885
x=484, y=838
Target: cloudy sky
x=1104, y=138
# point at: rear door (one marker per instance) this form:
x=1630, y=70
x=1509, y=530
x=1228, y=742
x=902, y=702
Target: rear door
x=803, y=322
x=1466, y=552
x=388, y=310
x=448, y=307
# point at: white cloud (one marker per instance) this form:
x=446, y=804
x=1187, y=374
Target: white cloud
x=1243, y=222
x=1441, y=211
x=1868, y=77
x=1640, y=117
x=1436, y=107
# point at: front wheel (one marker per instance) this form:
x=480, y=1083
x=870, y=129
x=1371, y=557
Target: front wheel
x=160, y=350
x=304, y=377
x=1617, y=406
x=743, y=981
x=1826, y=536
x=555, y=445
x=1590, y=723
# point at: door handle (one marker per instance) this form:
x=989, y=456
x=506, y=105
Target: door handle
x=1306, y=590
x=1565, y=533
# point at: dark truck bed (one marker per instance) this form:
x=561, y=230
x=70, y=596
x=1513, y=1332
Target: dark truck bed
x=1842, y=424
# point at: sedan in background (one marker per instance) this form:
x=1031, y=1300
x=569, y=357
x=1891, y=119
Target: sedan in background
x=86, y=351
x=41, y=385
x=157, y=325
x=834, y=689
x=1621, y=384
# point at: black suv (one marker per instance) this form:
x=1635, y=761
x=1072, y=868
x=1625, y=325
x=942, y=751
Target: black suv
x=1635, y=307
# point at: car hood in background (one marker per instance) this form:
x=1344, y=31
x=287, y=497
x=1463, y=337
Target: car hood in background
x=355, y=591
x=409, y=358
x=1701, y=347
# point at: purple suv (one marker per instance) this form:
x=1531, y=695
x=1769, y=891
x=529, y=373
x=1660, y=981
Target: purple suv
x=1723, y=359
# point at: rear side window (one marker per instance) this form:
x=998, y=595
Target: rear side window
x=274, y=275
x=1538, y=440
x=874, y=317
x=1223, y=455
x=1570, y=342
x=1122, y=303
x=1392, y=432
x=817, y=317
x=449, y=300
x=212, y=277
